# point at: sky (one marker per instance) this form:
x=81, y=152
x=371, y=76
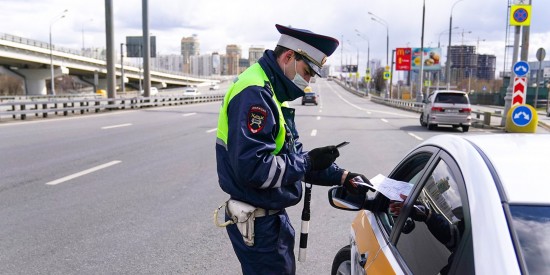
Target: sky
x=217, y=23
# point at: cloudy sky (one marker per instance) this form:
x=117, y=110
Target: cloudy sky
x=217, y=23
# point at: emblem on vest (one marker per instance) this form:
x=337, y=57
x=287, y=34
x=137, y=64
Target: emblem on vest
x=256, y=119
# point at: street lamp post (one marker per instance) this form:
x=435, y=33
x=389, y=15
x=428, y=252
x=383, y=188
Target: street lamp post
x=122, y=67
x=448, y=67
x=83, y=46
x=419, y=94
x=385, y=24
x=439, y=46
x=52, y=84
x=368, y=56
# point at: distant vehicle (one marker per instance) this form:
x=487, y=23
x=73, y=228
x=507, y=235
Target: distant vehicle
x=154, y=91
x=309, y=97
x=447, y=107
x=102, y=93
x=191, y=91
x=214, y=87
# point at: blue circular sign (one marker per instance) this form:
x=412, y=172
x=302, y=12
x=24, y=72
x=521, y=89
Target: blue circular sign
x=521, y=116
x=521, y=68
x=520, y=15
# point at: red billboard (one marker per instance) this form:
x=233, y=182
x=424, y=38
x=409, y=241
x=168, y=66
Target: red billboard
x=403, y=59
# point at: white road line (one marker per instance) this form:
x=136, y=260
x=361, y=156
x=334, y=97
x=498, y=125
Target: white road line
x=189, y=114
x=313, y=132
x=384, y=120
x=319, y=118
x=116, y=126
x=415, y=136
x=211, y=130
x=76, y=175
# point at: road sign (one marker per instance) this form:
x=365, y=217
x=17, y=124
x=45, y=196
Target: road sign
x=520, y=15
x=521, y=68
x=541, y=54
x=521, y=116
x=387, y=75
x=520, y=89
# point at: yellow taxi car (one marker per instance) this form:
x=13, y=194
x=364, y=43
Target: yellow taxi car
x=474, y=205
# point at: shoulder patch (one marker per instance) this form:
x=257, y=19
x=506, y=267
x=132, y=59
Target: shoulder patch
x=256, y=119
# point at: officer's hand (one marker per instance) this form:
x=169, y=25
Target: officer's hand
x=356, y=183
x=321, y=158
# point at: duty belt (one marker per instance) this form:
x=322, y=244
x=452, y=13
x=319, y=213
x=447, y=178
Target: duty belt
x=260, y=212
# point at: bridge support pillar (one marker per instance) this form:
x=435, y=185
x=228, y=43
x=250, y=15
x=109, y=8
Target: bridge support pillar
x=35, y=79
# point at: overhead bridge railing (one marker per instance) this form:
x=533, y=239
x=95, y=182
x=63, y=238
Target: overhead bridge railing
x=22, y=109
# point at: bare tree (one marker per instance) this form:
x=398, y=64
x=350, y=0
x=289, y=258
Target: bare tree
x=10, y=85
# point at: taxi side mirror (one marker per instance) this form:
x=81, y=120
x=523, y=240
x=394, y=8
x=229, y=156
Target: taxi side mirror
x=339, y=198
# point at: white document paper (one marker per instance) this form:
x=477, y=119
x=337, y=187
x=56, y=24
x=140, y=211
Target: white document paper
x=391, y=188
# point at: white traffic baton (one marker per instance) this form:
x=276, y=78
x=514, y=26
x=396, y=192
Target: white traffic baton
x=305, y=223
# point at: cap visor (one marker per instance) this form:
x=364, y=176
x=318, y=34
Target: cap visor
x=316, y=69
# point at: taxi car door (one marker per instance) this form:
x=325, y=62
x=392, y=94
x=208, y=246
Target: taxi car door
x=442, y=244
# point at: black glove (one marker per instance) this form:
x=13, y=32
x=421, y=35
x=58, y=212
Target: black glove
x=420, y=212
x=353, y=181
x=321, y=158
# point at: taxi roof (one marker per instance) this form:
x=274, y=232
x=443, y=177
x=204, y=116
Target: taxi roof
x=520, y=161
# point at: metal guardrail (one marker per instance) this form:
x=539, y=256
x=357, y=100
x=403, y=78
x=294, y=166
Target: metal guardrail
x=65, y=106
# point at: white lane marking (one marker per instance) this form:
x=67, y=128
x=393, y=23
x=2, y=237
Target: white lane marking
x=415, y=136
x=88, y=171
x=384, y=120
x=313, y=132
x=116, y=126
x=211, y=130
x=189, y=114
x=318, y=117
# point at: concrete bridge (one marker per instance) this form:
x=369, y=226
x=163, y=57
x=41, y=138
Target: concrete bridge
x=30, y=60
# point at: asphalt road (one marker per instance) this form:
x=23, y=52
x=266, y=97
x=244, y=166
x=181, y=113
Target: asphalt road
x=133, y=192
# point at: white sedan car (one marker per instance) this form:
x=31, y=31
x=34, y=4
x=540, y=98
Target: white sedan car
x=475, y=205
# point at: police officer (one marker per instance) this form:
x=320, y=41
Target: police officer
x=260, y=161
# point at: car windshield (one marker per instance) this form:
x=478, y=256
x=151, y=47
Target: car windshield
x=532, y=226
x=456, y=98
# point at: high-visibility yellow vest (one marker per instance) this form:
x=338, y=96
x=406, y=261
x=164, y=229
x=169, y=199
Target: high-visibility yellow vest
x=253, y=76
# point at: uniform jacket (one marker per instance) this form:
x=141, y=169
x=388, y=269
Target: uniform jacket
x=248, y=169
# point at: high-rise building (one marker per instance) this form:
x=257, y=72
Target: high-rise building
x=190, y=46
x=201, y=65
x=463, y=62
x=486, y=66
x=171, y=63
x=254, y=53
x=233, y=56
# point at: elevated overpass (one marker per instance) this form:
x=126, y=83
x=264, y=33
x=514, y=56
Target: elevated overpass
x=30, y=60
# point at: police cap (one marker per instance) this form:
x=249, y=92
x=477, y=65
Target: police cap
x=314, y=47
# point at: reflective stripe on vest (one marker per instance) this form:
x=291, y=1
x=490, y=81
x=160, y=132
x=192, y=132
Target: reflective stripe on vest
x=253, y=76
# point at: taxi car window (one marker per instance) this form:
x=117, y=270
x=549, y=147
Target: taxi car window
x=531, y=224
x=436, y=223
x=409, y=171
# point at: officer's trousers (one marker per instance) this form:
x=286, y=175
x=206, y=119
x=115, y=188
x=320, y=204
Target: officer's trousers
x=273, y=250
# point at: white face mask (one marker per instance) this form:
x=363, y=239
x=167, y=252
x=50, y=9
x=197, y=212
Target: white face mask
x=299, y=80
